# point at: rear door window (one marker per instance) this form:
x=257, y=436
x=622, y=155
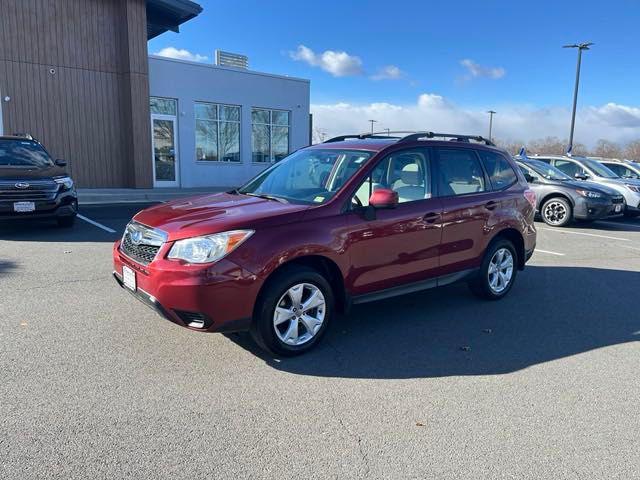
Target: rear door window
x=459, y=172
x=499, y=170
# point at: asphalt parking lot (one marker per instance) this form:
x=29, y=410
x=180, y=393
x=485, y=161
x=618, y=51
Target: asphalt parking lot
x=438, y=384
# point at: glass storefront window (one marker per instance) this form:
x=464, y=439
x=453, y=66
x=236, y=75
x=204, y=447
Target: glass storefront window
x=269, y=134
x=217, y=132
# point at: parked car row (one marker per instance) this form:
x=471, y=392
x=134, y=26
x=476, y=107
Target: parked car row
x=572, y=188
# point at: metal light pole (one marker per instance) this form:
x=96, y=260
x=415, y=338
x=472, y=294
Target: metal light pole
x=491, y=113
x=580, y=47
x=372, y=122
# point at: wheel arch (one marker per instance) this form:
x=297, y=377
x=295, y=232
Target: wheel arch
x=551, y=195
x=323, y=265
x=516, y=238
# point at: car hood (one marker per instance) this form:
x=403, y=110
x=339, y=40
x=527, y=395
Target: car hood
x=597, y=187
x=208, y=214
x=29, y=173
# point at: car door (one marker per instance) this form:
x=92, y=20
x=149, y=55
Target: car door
x=469, y=207
x=400, y=245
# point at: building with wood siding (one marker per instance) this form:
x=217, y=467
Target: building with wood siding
x=75, y=74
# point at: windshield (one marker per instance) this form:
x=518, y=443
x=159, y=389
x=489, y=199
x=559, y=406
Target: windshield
x=307, y=176
x=545, y=170
x=599, y=169
x=23, y=153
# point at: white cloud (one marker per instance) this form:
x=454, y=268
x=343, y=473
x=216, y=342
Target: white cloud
x=476, y=70
x=618, y=123
x=181, y=54
x=388, y=72
x=338, y=64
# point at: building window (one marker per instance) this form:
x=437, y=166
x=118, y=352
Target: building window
x=163, y=106
x=269, y=134
x=217, y=132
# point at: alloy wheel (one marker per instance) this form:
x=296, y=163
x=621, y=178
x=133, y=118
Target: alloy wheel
x=500, y=270
x=299, y=314
x=555, y=212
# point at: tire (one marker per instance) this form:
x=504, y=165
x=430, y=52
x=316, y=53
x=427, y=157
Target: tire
x=66, y=222
x=483, y=284
x=292, y=331
x=557, y=212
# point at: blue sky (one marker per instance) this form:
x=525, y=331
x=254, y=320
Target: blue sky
x=514, y=49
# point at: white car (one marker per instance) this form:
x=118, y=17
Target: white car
x=583, y=168
x=624, y=169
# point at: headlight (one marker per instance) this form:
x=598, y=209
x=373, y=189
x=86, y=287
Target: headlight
x=633, y=188
x=66, y=182
x=210, y=248
x=589, y=193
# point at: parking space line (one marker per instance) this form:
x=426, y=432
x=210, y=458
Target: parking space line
x=96, y=224
x=550, y=253
x=557, y=230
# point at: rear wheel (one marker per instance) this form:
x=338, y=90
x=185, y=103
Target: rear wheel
x=557, y=212
x=293, y=312
x=497, y=272
x=66, y=222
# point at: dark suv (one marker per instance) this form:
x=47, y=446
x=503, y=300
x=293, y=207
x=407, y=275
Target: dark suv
x=32, y=185
x=355, y=219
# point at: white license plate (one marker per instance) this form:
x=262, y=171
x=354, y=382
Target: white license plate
x=129, y=278
x=23, y=207
x=618, y=208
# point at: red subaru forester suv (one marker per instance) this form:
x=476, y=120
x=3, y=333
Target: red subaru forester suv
x=354, y=219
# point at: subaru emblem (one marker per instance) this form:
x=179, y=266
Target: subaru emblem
x=22, y=185
x=136, y=237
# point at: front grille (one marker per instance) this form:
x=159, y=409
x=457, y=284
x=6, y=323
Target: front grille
x=617, y=200
x=36, y=190
x=143, y=254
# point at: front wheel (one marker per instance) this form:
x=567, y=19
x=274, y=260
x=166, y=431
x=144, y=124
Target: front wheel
x=293, y=312
x=557, y=212
x=497, y=272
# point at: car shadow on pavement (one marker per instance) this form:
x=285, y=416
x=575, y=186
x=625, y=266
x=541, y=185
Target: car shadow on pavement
x=6, y=266
x=48, y=231
x=551, y=313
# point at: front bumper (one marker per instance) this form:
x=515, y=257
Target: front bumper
x=65, y=204
x=594, y=209
x=213, y=298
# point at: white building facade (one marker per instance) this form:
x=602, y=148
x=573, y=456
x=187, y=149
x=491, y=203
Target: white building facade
x=214, y=126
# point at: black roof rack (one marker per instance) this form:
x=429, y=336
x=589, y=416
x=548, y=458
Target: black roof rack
x=413, y=136
x=451, y=136
x=23, y=135
x=360, y=136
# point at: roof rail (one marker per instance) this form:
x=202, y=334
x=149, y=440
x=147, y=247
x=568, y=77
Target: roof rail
x=360, y=136
x=451, y=136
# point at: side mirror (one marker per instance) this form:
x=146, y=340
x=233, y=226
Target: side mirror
x=581, y=176
x=529, y=178
x=384, y=198
x=61, y=163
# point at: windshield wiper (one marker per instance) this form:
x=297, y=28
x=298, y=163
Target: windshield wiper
x=267, y=197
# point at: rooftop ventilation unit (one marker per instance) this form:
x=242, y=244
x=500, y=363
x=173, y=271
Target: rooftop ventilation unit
x=228, y=59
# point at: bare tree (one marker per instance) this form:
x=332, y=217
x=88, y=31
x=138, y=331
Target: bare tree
x=319, y=135
x=511, y=146
x=605, y=148
x=632, y=150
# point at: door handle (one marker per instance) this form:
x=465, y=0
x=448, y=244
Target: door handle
x=491, y=205
x=431, y=217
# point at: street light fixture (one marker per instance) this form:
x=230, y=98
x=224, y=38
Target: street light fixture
x=580, y=47
x=491, y=114
x=372, y=122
